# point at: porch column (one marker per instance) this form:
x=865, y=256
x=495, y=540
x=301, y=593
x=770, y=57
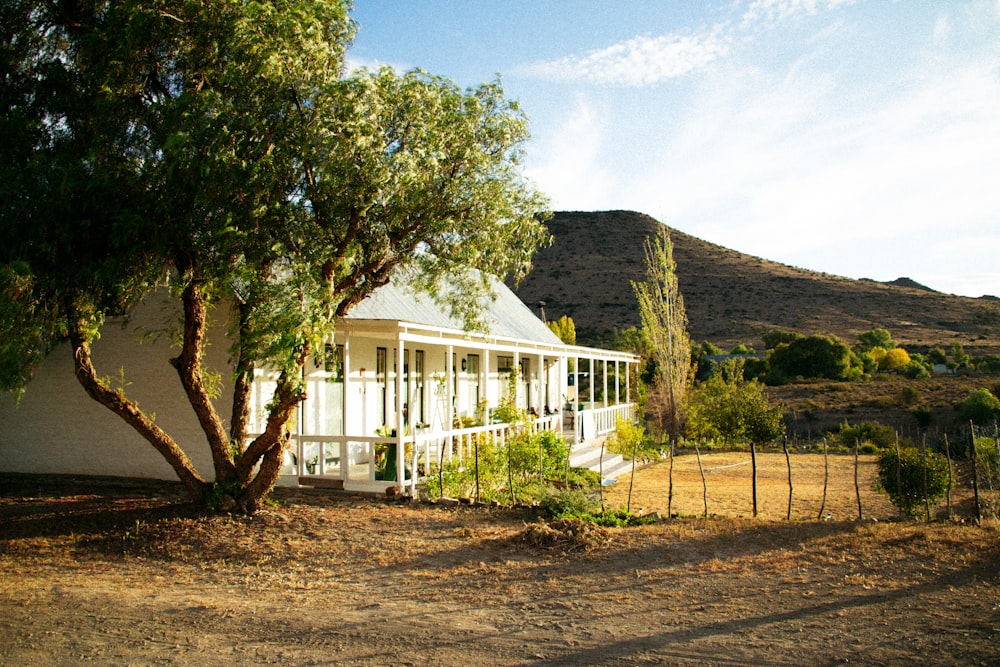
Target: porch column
x=576, y=399
x=618, y=385
x=400, y=422
x=604, y=379
x=450, y=380
x=540, y=391
x=344, y=463
x=516, y=370
x=484, y=382
x=628, y=382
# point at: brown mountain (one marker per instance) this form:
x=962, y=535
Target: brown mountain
x=734, y=298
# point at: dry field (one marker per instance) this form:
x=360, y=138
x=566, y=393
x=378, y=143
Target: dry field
x=117, y=574
x=729, y=486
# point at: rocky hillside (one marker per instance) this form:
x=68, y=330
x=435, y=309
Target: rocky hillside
x=734, y=298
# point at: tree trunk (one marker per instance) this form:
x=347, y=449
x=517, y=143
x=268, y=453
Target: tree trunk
x=189, y=367
x=242, y=389
x=115, y=400
x=262, y=483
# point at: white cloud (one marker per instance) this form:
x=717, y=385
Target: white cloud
x=769, y=13
x=568, y=166
x=639, y=61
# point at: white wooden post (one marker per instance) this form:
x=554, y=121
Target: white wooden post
x=604, y=380
x=400, y=425
x=450, y=380
x=342, y=445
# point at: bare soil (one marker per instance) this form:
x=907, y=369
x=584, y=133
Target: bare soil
x=118, y=573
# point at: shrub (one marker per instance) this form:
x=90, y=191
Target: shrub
x=902, y=478
x=878, y=435
x=629, y=439
x=980, y=407
x=986, y=461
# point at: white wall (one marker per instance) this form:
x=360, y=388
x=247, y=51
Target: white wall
x=58, y=428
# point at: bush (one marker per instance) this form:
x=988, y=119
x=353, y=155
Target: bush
x=878, y=435
x=986, y=461
x=578, y=504
x=521, y=460
x=630, y=439
x=980, y=407
x=902, y=478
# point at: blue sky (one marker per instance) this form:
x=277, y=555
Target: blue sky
x=859, y=138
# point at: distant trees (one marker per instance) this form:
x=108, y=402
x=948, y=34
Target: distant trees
x=980, y=407
x=818, y=356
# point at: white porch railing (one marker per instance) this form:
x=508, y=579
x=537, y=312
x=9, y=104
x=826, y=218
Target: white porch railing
x=370, y=459
x=596, y=423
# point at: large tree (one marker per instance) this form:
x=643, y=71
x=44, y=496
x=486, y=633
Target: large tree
x=218, y=149
x=664, y=326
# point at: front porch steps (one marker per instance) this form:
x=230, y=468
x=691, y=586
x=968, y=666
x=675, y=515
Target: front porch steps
x=588, y=456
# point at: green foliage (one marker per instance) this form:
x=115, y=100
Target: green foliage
x=577, y=504
x=521, y=460
x=664, y=326
x=937, y=355
x=959, y=358
x=989, y=363
x=877, y=337
x=903, y=478
x=980, y=407
x=631, y=440
x=986, y=461
x=815, y=357
x=565, y=329
x=217, y=148
x=868, y=432
x=776, y=337
x=727, y=407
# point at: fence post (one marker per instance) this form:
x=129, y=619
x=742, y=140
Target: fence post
x=923, y=464
x=857, y=487
x=951, y=481
x=975, y=470
x=788, y=462
x=704, y=482
x=826, y=479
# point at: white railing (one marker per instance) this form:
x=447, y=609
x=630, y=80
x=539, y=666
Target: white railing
x=590, y=424
x=379, y=458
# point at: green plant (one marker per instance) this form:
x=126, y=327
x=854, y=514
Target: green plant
x=912, y=477
x=578, y=504
x=868, y=432
x=630, y=440
x=980, y=406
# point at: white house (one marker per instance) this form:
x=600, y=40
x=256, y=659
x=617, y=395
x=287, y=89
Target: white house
x=409, y=387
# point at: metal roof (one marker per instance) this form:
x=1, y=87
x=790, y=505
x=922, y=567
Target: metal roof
x=506, y=316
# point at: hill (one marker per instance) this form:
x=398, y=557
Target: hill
x=734, y=298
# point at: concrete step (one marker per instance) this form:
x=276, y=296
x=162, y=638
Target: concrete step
x=589, y=457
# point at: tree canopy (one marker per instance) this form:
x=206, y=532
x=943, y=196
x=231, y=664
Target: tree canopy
x=728, y=407
x=219, y=150
x=664, y=327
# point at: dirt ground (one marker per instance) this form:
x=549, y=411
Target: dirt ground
x=127, y=574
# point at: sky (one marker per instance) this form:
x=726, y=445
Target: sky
x=859, y=138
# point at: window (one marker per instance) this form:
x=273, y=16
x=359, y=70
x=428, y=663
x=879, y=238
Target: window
x=382, y=380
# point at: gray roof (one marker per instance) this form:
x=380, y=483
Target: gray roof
x=506, y=317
